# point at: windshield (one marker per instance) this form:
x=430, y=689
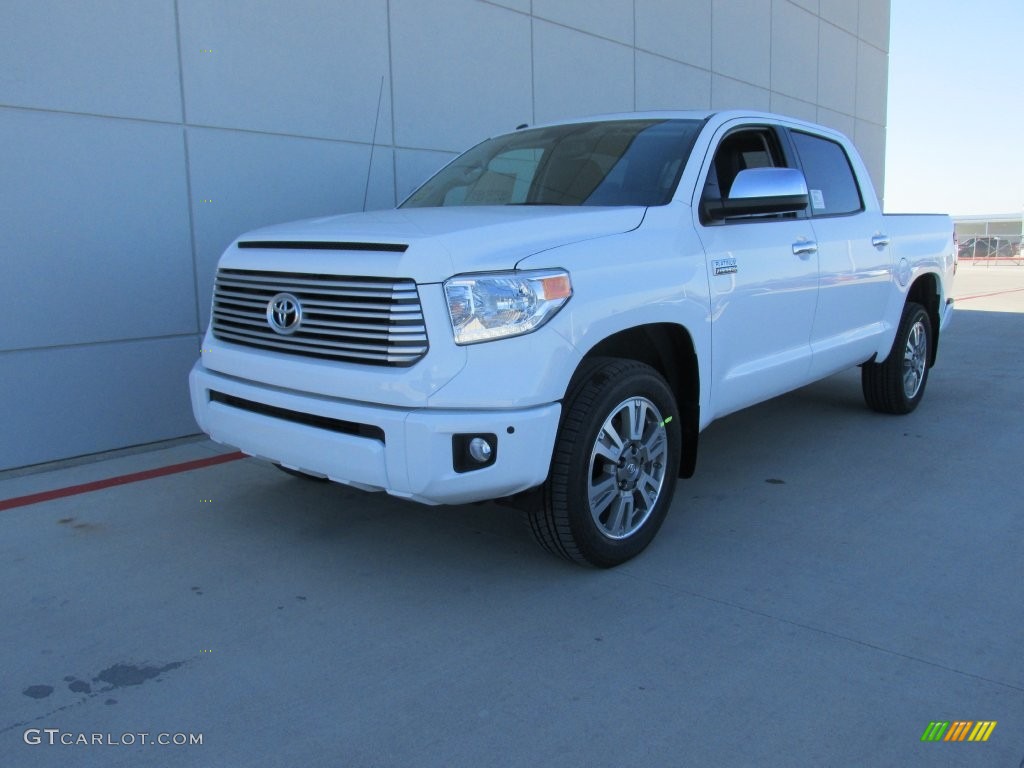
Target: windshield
x=622, y=162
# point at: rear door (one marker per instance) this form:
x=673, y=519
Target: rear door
x=763, y=276
x=853, y=255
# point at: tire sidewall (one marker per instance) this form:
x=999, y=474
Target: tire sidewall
x=596, y=546
x=915, y=313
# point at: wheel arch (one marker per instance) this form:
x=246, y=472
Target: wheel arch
x=925, y=291
x=669, y=349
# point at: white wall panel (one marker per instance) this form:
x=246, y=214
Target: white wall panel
x=837, y=120
x=842, y=13
x=612, y=19
x=785, y=105
x=678, y=30
x=565, y=87
x=523, y=6
x=727, y=93
x=872, y=83
x=870, y=141
x=810, y=5
x=95, y=240
x=69, y=401
x=837, y=69
x=461, y=72
x=664, y=84
x=305, y=67
x=873, y=23
x=794, y=52
x=741, y=40
x=381, y=191
x=118, y=57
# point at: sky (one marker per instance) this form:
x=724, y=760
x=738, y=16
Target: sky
x=955, y=137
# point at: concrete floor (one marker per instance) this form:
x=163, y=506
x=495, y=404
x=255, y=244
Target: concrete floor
x=830, y=582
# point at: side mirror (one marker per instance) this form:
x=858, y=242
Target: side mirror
x=760, y=191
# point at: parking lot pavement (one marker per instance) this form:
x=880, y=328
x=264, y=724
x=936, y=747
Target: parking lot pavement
x=829, y=583
x=989, y=288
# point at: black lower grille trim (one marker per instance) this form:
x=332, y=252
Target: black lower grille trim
x=309, y=419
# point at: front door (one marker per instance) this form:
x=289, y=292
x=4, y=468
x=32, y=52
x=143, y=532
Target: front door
x=763, y=276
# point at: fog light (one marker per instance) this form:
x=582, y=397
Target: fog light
x=471, y=452
x=480, y=450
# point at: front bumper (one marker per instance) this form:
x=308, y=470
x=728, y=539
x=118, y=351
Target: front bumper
x=414, y=458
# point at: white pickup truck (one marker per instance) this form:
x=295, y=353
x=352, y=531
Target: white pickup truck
x=555, y=316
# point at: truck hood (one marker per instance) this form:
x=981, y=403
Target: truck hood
x=426, y=244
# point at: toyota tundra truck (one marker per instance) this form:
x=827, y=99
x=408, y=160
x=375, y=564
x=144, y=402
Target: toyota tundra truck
x=557, y=314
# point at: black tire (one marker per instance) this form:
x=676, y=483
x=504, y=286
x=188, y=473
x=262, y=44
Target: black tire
x=897, y=384
x=632, y=481
x=303, y=475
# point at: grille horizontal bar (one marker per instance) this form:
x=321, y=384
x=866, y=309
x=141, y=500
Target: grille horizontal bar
x=370, y=320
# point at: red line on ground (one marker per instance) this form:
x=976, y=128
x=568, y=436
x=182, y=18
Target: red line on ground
x=110, y=482
x=994, y=293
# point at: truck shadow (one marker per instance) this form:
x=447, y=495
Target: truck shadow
x=817, y=440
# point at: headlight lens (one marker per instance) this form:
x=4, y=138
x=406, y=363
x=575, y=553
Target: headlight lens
x=500, y=304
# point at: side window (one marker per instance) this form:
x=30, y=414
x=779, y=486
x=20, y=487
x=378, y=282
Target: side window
x=750, y=148
x=830, y=181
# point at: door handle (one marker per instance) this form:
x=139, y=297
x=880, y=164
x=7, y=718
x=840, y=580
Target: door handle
x=880, y=241
x=805, y=248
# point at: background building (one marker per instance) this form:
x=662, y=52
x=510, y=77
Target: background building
x=993, y=239
x=139, y=138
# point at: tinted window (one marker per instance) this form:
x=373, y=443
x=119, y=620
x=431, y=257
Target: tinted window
x=740, y=150
x=831, y=185
x=621, y=162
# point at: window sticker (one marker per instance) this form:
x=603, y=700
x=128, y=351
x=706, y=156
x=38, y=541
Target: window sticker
x=817, y=199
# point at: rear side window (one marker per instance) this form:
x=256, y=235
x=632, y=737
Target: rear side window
x=831, y=184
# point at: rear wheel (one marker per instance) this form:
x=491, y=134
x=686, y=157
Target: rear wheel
x=897, y=384
x=614, y=466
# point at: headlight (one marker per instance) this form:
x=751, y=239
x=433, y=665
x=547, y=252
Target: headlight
x=499, y=304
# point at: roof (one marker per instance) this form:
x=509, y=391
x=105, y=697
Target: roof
x=668, y=114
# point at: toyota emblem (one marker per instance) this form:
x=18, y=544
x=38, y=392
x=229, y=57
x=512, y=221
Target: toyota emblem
x=284, y=313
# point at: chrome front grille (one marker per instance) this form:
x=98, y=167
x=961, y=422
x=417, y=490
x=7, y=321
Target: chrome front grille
x=372, y=320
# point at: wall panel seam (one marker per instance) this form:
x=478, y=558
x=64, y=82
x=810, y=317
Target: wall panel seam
x=393, y=109
x=101, y=343
x=188, y=174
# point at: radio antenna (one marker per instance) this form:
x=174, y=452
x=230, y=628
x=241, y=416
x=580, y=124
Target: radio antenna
x=373, y=142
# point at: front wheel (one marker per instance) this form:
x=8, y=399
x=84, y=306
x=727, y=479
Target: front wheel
x=897, y=384
x=614, y=466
